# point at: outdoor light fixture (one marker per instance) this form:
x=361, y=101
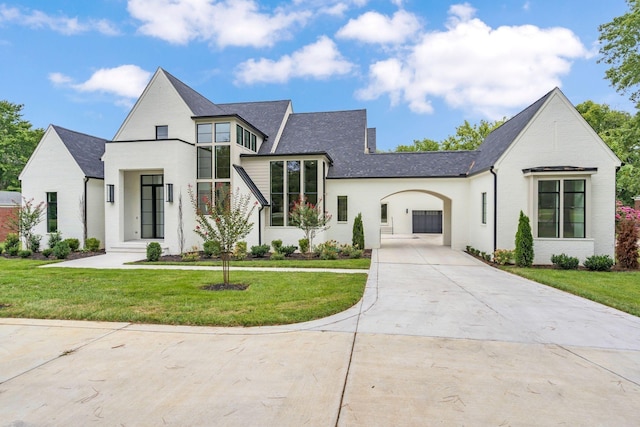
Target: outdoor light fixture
x=111, y=193
x=169, y=194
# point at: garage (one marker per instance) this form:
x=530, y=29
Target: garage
x=427, y=222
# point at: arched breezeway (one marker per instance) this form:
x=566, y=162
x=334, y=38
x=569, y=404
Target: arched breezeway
x=415, y=213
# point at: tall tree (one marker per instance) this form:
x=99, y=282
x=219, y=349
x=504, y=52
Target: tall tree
x=17, y=142
x=620, y=41
x=621, y=132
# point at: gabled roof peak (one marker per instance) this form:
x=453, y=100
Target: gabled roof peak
x=86, y=150
x=198, y=104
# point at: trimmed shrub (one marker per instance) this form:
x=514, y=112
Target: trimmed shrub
x=288, y=250
x=34, y=242
x=276, y=245
x=61, y=250
x=54, y=238
x=240, y=250
x=327, y=250
x=277, y=256
x=599, y=263
x=565, y=261
x=627, y=244
x=92, y=244
x=357, y=239
x=154, y=250
x=503, y=256
x=259, y=251
x=74, y=244
x=304, y=245
x=211, y=248
x=12, y=244
x=524, y=242
x=47, y=252
x=191, y=256
x=25, y=253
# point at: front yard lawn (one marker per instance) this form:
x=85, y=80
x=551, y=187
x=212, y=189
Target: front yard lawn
x=172, y=296
x=617, y=289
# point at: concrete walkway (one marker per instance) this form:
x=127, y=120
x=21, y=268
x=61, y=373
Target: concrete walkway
x=438, y=339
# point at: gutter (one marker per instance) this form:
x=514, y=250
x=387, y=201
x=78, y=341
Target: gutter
x=495, y=208
x=84, y=213
x=260, y=225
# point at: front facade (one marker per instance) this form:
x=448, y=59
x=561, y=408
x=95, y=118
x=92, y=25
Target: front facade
x=177, y=147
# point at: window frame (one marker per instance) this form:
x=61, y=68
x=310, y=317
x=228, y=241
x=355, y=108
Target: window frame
x=560, y=208
x=52, y=212
x=483, y=216
x=162, y=135
x=342, y=209
x=384, y=213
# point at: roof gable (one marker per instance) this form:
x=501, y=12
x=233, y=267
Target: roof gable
x=266, y=116
x=500, y=139
x=198, y=104
x=85, y=149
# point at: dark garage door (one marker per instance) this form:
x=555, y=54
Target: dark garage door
x=427, y=222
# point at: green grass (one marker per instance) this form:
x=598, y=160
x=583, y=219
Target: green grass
x=172, y=297
x=617, y=289
x=359, y=263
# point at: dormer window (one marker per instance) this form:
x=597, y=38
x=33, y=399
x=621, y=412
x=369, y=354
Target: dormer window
x=162, y=132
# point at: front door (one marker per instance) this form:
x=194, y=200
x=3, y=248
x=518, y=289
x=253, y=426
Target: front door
x=152, y=206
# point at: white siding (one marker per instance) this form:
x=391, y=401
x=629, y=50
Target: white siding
x=481, y=235
x=51, y=168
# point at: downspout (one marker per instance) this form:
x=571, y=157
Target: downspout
x=84, y=213
x=260, y=225
x=495, y=208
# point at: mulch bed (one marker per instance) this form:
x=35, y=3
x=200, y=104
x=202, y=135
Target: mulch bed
x=202, y=257
x=73, y=255
x=616, y=267
x=225, y=287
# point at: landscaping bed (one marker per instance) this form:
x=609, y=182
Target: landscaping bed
x=294, y=256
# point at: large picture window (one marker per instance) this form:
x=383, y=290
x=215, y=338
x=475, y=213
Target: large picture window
x=52, y=212
x=561, y=208
x=292, y=180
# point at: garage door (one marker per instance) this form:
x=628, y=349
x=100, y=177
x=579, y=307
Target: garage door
x=427, y=222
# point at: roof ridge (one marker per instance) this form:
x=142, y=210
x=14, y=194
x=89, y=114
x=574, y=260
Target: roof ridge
x=196, y=102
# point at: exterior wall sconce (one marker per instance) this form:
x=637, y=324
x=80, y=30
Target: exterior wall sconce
x=169, y=195
x=111, y=193
x=407, y=210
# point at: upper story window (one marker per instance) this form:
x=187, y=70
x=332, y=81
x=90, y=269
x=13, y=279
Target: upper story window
x=204, y=133
x=246, y=138
x=162, y=132
x=562, y=208
x=223, y=132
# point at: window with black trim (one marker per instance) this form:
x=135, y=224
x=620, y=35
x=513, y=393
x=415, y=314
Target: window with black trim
x=291, y=181
x=52, y=212
x=162, y=132
x=484, y=208
x=342, y=209
x=562, y=208
x=383, y=212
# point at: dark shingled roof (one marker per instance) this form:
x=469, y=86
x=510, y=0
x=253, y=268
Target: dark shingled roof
x=252, y=186
x=498, y=141
x=86, y=150
x=198, y=104
x=371, y=139
x=266, y=116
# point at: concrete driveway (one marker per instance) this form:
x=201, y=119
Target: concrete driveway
x=438, y=339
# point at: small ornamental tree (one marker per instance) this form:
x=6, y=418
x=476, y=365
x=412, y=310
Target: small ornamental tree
x=357, y=239
x=225, y=220
x=524, y=242
x=309, y=218
x=29, y=215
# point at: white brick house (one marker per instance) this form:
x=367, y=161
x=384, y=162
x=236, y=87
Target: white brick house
x=545, y=161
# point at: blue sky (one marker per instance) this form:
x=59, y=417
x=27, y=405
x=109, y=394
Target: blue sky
x=420, y=68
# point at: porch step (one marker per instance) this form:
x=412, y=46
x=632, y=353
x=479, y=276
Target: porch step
x=386, y=229
x=137, y=246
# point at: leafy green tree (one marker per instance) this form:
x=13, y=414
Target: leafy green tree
x=620, y=43
x=621, y=132
x=310, y=218
x=524, y=242
x=424, y=145
x=225, y=220
x=357, y=238
x=30, y=214
x=467, y=137
x=17, y=142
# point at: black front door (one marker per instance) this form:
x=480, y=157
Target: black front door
x=152, y=206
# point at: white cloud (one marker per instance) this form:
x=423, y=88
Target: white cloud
x=475, y=67
x=373, y=27
x=223, y=23
x=319, y=60
x=126, y=82
x=61, y=24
